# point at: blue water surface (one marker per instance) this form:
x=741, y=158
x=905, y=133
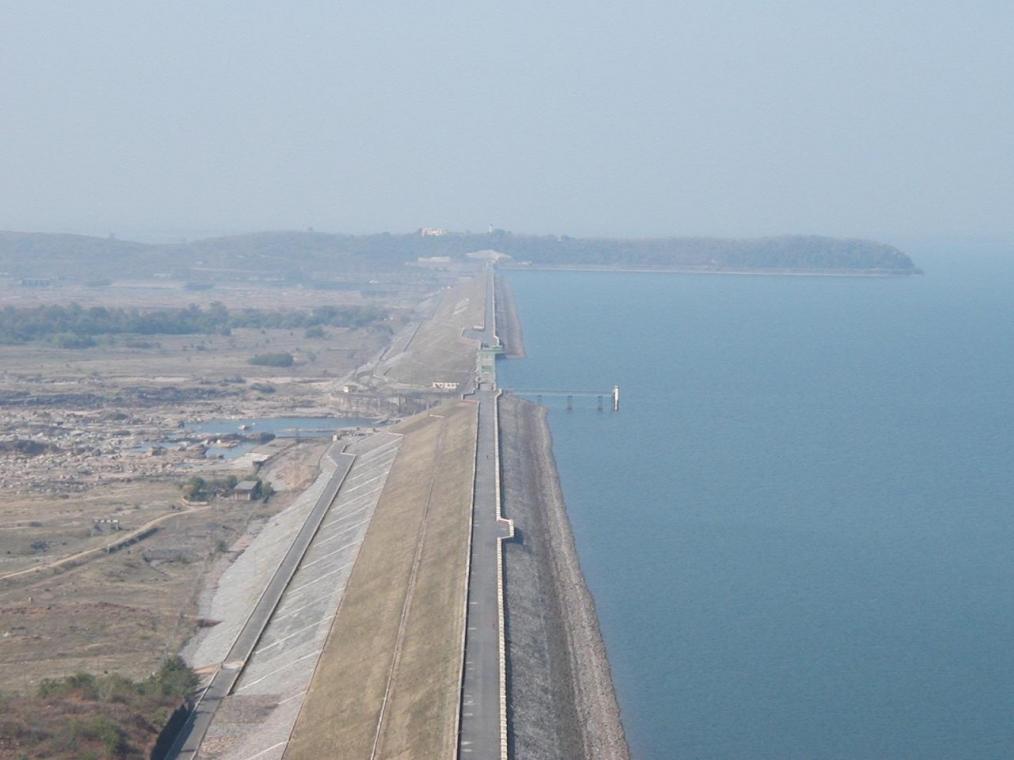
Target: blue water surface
x=799, y=530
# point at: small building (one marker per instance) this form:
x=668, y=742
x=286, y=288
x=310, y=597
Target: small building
x=106, y=525
x=247, y=490
x=440, y=385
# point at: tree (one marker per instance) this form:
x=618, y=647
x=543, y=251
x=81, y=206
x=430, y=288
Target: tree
x=283, y=359
x=193, y=488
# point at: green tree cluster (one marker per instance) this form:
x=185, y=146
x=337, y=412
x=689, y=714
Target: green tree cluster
x=75, y=326
x=282, y=359
x=197, y=488
x=174, y=679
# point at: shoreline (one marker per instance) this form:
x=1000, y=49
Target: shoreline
x=561, y=698
x=861, y=273
x=560, y=690
x=508, y=325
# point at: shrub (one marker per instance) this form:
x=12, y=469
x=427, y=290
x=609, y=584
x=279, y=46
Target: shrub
x=174, y=678
x=116, y=688
x=273, y=360
x=83, y=684
x=193, y=488
x=104, y=716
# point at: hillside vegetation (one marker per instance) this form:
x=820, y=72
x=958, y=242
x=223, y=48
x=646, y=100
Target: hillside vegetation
x=59, y=323
x=87, y=716
x=307, y=256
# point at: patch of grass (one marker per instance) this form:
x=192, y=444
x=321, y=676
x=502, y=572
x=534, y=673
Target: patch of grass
x=339, y=716
x=173, y=680
x=100, y=729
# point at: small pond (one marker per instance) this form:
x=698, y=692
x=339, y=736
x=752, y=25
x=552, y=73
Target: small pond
x=252, y=428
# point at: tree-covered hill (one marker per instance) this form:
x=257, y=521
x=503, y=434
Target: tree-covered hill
x=308, y=255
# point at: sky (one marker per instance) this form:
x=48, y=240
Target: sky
x=186, y=117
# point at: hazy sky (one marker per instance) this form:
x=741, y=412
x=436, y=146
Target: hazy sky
x=874, y=119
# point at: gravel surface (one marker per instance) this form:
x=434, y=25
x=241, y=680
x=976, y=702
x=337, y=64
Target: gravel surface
x=561, y=702
x=508, y=325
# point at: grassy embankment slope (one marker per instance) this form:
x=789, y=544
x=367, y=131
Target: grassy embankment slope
x=390, y=673
x=438, y=352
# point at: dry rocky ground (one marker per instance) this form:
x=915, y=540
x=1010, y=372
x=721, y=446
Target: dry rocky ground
x=81, y=446
x=76, y=451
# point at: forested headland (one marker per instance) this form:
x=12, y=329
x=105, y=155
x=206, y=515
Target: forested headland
x=308, y=257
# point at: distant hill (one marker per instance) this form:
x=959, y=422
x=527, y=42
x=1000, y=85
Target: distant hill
x=302, y=255
x=795, y=253
x=33, y=254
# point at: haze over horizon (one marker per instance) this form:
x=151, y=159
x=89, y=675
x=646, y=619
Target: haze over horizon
x=640, y=119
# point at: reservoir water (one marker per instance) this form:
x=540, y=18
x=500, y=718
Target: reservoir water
x=799, y=529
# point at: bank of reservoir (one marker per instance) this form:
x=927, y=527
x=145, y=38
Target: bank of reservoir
x=797, y=531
